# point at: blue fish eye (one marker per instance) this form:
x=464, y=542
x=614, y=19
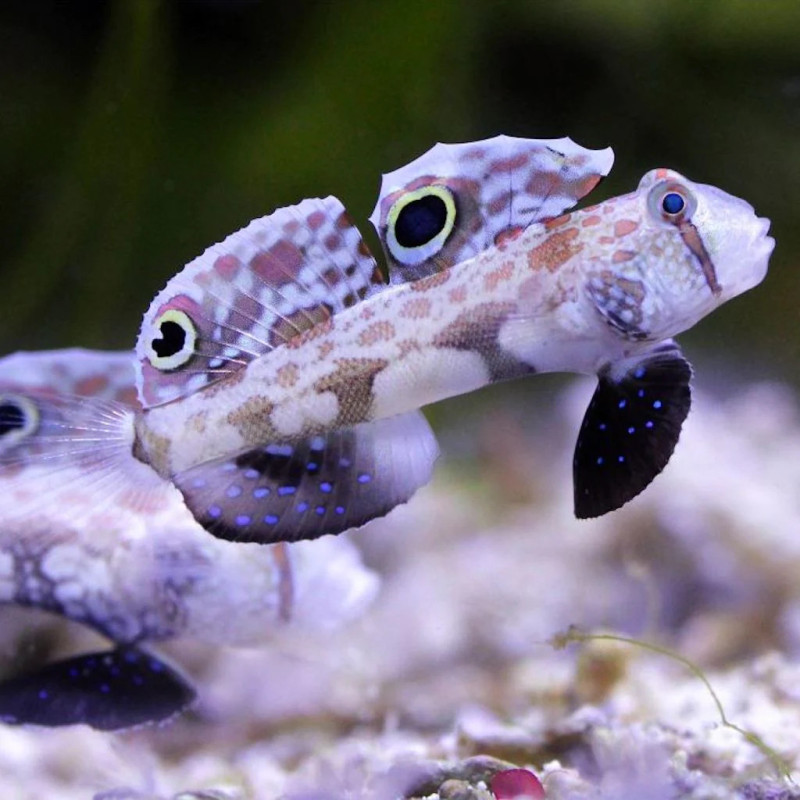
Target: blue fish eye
x=673, y=203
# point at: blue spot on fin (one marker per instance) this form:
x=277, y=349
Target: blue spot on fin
x=109, y=690
x=317, y=486
x=630, y=428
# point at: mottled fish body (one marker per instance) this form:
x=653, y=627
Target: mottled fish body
x=572, y=295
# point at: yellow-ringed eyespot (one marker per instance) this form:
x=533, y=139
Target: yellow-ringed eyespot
x=19, y=418
x=173, y=340
x=419, y=222
x=671, y=202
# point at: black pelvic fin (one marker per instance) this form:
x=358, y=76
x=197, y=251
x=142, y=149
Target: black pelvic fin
x=630, y=428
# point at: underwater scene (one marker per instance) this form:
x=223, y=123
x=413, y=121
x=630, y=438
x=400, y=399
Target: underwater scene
x=399, y=400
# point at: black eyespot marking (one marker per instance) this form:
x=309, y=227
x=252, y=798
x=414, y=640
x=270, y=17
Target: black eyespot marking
x=19, y=419
x=420, y=221
x=12, y=418
x=172, y=341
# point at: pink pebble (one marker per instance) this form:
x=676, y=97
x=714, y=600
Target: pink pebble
x=516, y=784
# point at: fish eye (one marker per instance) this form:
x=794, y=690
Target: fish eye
x=671, y=202
x=19, y=418
x=173, y=346
x=419, y=222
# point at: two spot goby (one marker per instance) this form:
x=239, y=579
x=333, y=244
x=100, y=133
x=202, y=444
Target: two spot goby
x=600, y=290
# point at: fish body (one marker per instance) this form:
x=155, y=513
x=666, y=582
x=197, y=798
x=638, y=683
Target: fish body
x=595, y=291
x=580, y=292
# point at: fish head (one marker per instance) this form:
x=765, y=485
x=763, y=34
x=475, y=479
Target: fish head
x=680, y=250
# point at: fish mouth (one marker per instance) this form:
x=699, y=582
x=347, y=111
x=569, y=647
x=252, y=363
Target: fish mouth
x=766, y=244
x=762, y=246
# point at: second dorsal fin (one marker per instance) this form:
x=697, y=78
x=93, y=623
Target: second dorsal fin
x=456, y=200
x=259, y=288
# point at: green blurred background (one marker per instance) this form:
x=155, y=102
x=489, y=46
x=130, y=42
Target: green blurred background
x=135, y=133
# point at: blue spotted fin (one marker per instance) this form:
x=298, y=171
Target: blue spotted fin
x=457, y=200
x=109, y=690
x=630, y=428
x=317, y=486
x=258, y=289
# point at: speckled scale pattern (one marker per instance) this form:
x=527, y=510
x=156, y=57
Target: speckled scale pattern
x=501, y=185
x=259, y=288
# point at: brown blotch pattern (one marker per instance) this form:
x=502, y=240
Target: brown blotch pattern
x=352, y=382
x=557, y=222
x=376, y=332
x=496, y=276
x=256, y=408
x=407, y=346
x=325, y=349
x=287, y=375
x=622, y=227
x=593, y=219
x=91, y=386
x=477, y=331
x=416, y=308
x=622, y=255
x=242, y=318
x=301, y=326
x=458, y=294
x=198, y=422
x=315, y=220
x=423, y=284
x=279, y=265
x=555, y=250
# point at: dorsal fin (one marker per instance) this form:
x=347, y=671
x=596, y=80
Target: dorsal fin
x=259, y=288
x=457, y=200
x=102, y=374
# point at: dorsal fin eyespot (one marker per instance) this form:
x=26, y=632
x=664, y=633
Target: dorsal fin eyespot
x=260, y=288
x=498, y=184
x=19, y=418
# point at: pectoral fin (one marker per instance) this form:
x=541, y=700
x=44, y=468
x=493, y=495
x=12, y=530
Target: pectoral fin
x=109, y=691
x=630, y=428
